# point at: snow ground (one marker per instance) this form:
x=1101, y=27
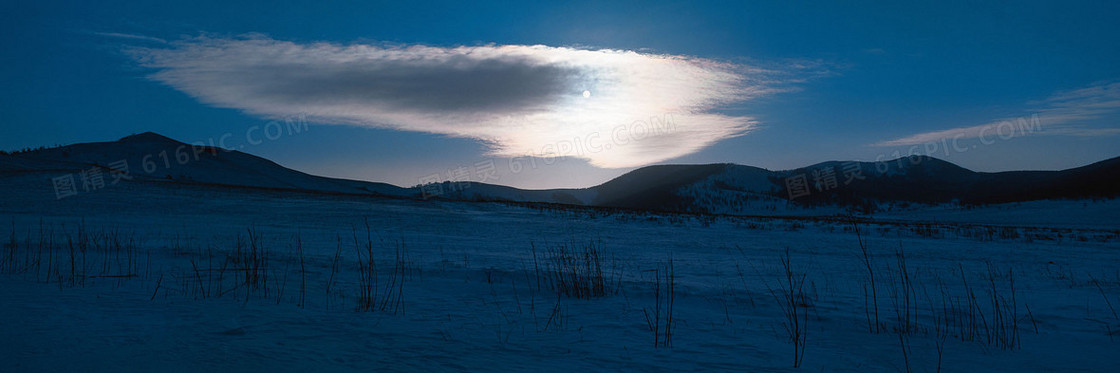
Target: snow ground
x=1101, y=214
x=470, y=294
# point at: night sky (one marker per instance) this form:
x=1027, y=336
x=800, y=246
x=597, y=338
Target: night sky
x=572, y=93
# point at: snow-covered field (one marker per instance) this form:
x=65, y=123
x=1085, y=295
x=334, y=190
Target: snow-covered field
x=159, y=276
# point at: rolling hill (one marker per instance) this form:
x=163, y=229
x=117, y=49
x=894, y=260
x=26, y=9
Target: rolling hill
x=711, y=188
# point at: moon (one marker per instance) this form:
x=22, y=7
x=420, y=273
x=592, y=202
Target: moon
x=586, y=94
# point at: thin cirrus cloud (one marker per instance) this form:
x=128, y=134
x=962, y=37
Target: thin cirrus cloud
x=1062, y=114
x=519, y=100
x=134, y=37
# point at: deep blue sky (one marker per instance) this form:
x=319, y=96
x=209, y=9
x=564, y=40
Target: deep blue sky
x=880, y=71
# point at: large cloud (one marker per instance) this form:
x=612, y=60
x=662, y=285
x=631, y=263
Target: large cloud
x=520, y=100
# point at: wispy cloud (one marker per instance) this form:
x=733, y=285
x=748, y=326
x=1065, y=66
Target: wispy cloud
x=119, y=35
x=519, y=99
x=1062, y=114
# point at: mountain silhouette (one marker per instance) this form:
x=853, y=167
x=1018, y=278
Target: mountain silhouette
x=710, y=188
